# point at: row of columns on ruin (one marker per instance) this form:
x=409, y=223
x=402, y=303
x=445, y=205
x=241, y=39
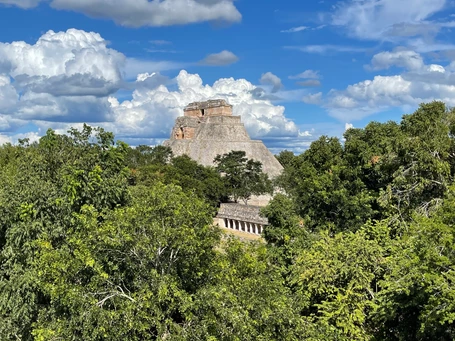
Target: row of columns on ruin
x=243, y=226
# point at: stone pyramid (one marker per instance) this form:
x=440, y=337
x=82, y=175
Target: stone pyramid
x=209, y=128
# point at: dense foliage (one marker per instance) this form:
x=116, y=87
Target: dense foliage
x=100, y=241
x=243, y=177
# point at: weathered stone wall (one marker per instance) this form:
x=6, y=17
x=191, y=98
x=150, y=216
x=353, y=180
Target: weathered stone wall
x=193, y=113
x=208, y=108
x=222, y=128
x=184, y=121
x=225, y=120
x=185, y=128
x=214, y=103
x=222, y=111
x=246, y=213
x=188, y=133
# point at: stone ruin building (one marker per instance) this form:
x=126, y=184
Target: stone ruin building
x=209, y=128
x=240, y=217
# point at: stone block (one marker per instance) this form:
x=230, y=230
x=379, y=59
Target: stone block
x=188, y=133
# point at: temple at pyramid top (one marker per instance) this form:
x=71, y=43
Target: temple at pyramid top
x=208, y=108
x=209, y=128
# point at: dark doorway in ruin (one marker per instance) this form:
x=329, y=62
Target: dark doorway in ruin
x=202, y=112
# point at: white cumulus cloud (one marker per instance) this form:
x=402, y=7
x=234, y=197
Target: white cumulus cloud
x=8, y=94
x=67, y=78
x=151, y=112
x=4, y=139
x=421, y=83
x=65, y=63
x=32, y=136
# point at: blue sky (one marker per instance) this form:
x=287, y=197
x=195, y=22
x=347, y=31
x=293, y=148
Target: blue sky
x=294, y=70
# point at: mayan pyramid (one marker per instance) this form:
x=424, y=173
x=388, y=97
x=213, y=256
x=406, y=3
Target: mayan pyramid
x=209, y=128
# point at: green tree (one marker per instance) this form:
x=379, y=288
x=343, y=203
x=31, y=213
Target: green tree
x=326, y=190
x=335, y=282
x=243, y=177
x=245, y=300
x=424, y=158
x=417, y=297
x=126, y=274
x=143, y=155
x=285, y=235
x=204, y=182
x=286, y=158
x=41, y=188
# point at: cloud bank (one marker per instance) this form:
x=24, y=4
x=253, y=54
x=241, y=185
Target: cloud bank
x=387, y=19
x=71, y=77
x=418, y=83
x=136, y=13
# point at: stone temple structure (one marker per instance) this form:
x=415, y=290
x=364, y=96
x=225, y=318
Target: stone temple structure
x=210, y=128
x=242, y=218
